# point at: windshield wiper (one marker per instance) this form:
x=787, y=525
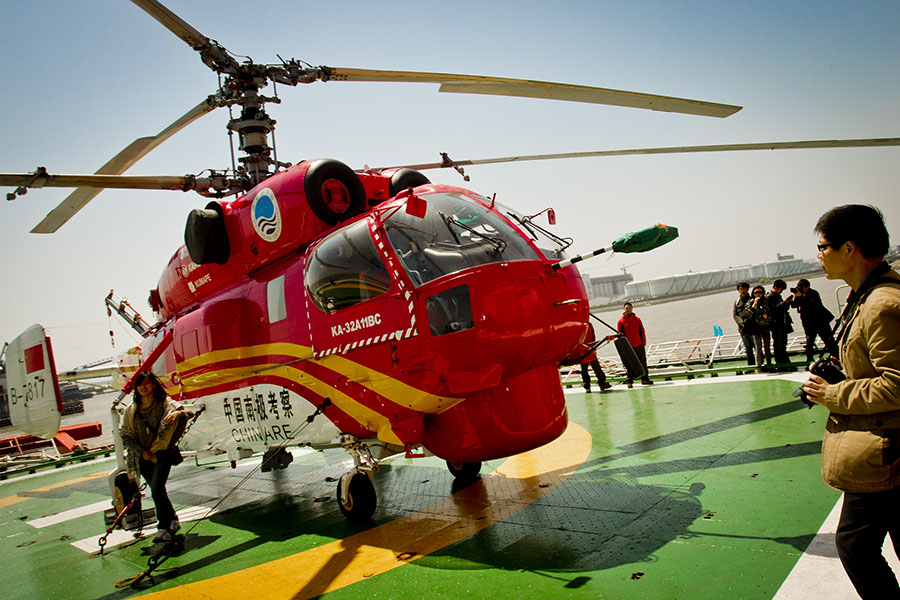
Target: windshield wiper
x=447, y=221
x=498, y=244
x=527, y=223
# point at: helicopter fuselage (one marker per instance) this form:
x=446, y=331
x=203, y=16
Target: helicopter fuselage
x=430, y=319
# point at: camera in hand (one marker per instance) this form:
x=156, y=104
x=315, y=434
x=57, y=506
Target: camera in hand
x=793, y=290
x=829, y=369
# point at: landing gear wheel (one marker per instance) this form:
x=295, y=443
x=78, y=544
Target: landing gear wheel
x=464, y=471
x=361, y=500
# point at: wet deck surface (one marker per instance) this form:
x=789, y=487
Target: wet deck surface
x=690, y=490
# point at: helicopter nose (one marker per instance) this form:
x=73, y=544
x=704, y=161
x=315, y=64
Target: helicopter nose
x=553, y=322
x=527, y=323
x=521, y=413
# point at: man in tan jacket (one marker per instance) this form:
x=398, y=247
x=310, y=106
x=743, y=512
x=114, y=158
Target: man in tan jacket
x=861, y=447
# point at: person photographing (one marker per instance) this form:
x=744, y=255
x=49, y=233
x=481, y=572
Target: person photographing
x=861, y=445
x=815, y=318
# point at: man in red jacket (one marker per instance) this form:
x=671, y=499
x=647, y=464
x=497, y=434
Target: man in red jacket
x=630, y=325
x=590, y=359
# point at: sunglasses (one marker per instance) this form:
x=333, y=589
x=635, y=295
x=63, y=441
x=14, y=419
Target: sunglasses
x=822, y=247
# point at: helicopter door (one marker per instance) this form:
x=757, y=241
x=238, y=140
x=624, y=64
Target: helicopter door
x=353, y=300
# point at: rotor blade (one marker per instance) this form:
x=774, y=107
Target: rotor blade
x=173, y=23
x=101, y=182
x=799, y=145
x=211, y=53
x=503, y=86
x=117, y=165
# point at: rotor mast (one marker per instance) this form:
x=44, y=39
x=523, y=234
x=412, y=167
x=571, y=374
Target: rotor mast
x=243, y=82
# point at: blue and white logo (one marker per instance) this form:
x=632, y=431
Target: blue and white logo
x=266, y=215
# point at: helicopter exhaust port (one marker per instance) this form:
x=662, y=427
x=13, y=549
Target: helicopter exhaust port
x=205, y=235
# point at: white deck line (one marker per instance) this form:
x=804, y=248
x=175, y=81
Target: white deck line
x=117, y=538
x=69, y=515
x=819, y=574
x=120, y=536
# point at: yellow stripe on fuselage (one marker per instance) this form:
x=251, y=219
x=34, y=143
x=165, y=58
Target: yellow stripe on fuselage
x=388, y=387
x=392, y=389
x=363, y=415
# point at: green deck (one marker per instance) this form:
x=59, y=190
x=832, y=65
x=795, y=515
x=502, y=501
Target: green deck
x=699, y=490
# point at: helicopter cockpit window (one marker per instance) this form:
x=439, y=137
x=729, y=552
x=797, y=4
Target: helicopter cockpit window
x=457, y=233
x=345, y=269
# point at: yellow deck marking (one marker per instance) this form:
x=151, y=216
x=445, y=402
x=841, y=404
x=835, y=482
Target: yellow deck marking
x=514, y=485
x=10, y=500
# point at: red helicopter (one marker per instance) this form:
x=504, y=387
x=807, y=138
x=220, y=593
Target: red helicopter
x=371, y=310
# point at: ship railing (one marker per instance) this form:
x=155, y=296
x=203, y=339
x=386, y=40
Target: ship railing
x=707, y=351
x=690, y=355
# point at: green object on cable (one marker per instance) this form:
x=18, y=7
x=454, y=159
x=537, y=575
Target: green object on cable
x=645, y=239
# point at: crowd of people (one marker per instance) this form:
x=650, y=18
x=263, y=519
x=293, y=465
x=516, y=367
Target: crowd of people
x=764, y=321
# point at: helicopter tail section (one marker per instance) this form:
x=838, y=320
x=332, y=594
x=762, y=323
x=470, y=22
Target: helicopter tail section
x=35, y=404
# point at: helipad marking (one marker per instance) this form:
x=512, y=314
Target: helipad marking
x=10, y=500
x=120, y=537
x=68, y=515
x=514, y=485
x=819, y=574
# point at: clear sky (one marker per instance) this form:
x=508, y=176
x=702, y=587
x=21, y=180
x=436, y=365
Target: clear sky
x=83, y=79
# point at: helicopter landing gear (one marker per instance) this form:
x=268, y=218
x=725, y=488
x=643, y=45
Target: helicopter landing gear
x=356, y=495
x=464, y=471
x=355, y=491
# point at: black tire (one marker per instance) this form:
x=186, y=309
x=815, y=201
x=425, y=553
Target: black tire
x=125, y=489
x=406, y=178
x=464, y=471
x=333, y=191
x=361, y=501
